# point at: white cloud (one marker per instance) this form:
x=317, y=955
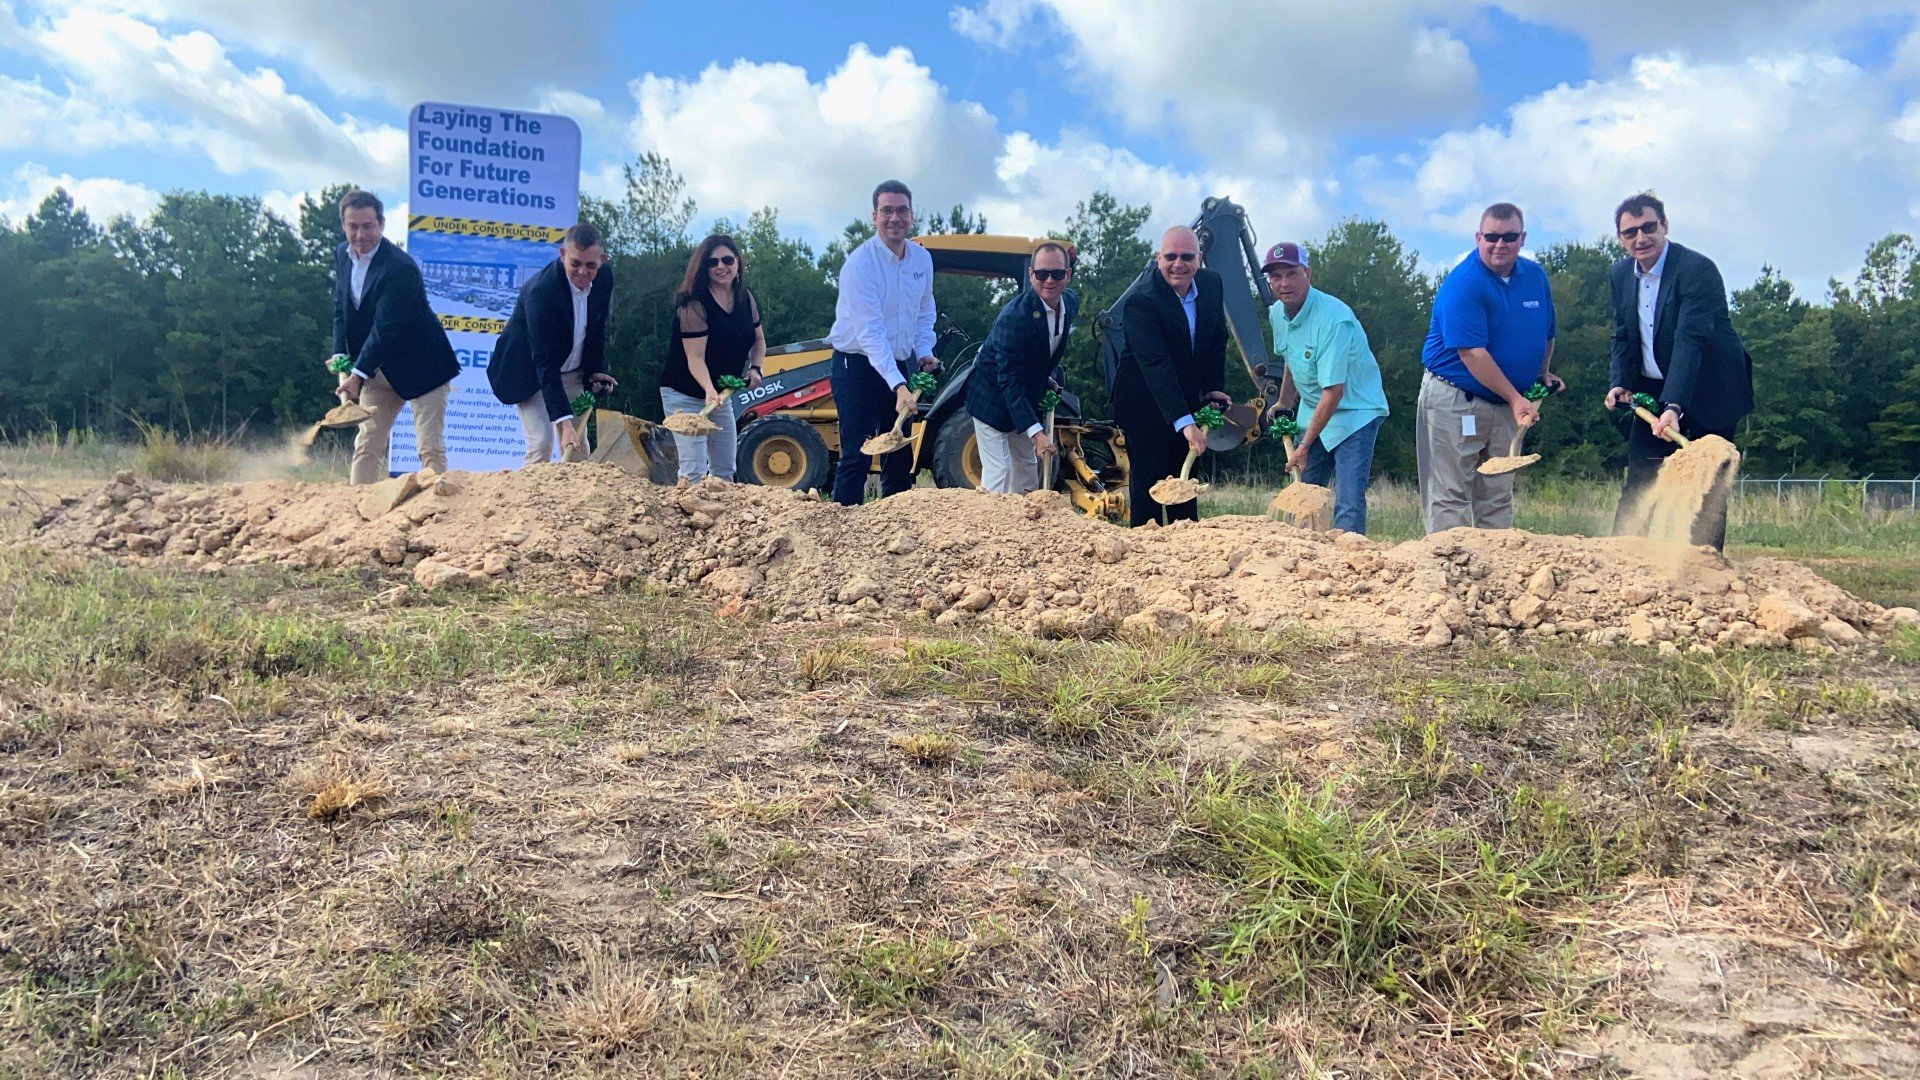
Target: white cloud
x=1250, y=80
x=750, y=135
x=1702, y=28
x=404, y=51
x=103, y=198
x=34, y=117
x=1784, y=161
x=241, y=120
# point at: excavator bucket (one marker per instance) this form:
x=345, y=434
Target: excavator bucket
x=635, y=445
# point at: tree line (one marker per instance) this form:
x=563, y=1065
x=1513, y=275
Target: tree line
x=210, y=316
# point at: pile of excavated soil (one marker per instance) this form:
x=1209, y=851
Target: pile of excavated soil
x=1030, y=564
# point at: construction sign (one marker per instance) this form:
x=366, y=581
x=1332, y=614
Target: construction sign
x=489, y=194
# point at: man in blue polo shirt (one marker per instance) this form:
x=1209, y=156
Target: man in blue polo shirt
x=1491, y=339
x=1329, y=363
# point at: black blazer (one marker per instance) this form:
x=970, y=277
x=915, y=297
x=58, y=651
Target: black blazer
x=526, y=360
x=393, y=329
x=1161, y=374
x=1708, y=372
x=1010, y=376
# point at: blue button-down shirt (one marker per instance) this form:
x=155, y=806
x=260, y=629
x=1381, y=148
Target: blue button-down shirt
x=1190, y=304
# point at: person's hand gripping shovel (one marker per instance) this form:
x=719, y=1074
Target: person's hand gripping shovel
x=1299, y=500
x=345, y=414
x=920, y=383
x=701, y=423
x=1514, y=461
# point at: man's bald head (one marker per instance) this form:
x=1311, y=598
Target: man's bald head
x=1179, y=258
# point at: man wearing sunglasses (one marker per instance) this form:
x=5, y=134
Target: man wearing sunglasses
x=1673, y=339
x=555, y=345
x=1013, y=371
x=1490, y=339
x=882, y=330
x=1173, y=363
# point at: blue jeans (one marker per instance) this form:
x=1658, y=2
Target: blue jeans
x=865, y=404
x=1350, y=467
x=703, y=455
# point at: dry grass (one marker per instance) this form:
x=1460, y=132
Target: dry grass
x=259, y=826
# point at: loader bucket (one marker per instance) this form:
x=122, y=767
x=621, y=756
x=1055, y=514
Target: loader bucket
x=635, y=445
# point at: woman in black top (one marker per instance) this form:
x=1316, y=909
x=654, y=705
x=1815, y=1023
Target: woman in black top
x=716, y=331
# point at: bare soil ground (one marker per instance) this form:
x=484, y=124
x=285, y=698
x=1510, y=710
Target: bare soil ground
x=320, y=820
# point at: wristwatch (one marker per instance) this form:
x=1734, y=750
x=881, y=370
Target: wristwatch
x=1677, y=411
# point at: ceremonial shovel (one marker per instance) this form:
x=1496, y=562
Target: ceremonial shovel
x=1173, y=490
x=1298, y=499
x=1515, y=461
x=888, y=441
x=345, y=414
x=697, y=424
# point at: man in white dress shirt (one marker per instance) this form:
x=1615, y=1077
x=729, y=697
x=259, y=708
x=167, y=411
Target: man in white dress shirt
x=555, y=345
x=882, y=332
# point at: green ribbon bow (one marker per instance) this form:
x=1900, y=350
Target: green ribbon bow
x=1647, y=402
x=732, y=382
x=1537, y=392
x=1050, y=401
x=922, y=383
x=1209, y=417
x=1283, y=427
x=582, y=404
x=340, y=363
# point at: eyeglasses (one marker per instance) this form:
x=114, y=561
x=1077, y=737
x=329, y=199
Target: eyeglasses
x=1177, y=256
x=719, y=260
x=1502, y=237
x=894, y=211
x=1050, y=275
x=1645, y=228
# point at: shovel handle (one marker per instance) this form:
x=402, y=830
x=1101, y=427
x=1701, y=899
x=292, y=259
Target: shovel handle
x=1642, y=413
x=1286, y=443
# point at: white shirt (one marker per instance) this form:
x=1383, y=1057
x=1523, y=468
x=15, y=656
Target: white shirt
x=579, y=325
x=1649, y=296
x=357, y=280
x=1056, y=318
x=885, y=309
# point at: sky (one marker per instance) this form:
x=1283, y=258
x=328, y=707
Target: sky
x=1785, y=133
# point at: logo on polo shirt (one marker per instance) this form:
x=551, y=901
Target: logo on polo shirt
x=1529, y=303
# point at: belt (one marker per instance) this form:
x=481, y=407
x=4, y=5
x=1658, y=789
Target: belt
x=1471, y=396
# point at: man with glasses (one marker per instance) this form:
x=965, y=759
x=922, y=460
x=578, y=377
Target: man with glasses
x=882, y=330
x=1490, y=340
x=555, y=346
x=1174, y=362
x=1013, y=371
x=1673, y=339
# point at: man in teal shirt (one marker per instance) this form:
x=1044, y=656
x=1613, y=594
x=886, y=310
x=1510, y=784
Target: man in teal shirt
x=1329, y=364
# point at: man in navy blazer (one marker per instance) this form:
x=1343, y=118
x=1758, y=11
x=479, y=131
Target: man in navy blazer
x=1014, y=369
x=400, y=353
x=555, y=345
x=1673, y=339
x=1174, y=361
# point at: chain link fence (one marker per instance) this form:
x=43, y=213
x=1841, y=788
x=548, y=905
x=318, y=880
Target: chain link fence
x=1886, y=493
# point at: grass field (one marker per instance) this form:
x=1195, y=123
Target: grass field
x=263, y=823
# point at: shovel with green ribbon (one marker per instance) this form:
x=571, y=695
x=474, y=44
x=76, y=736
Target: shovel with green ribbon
x=1174, y=490
x=1298, y=499
x=345, y=414
x=1049, y=402
x=701, y=423
x=1515, y=460
x=921, y=384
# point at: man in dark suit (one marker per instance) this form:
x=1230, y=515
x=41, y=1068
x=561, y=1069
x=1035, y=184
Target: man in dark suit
x=1673, y=339
x=555, y=345
x=1173, y=363
x=1012, y=372
x=400, y=353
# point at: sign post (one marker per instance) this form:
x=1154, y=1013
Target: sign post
x=490, y=193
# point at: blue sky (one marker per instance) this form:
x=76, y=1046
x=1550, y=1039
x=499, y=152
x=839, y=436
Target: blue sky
x=1788, y=134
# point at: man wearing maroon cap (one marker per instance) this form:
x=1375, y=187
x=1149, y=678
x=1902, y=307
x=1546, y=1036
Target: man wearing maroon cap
x=1328, y=361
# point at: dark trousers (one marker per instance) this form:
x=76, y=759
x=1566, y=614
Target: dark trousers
x=1645, y=453
x=1155, y=452
x=865, y=404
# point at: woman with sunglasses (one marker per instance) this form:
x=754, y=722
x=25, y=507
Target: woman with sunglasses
x=716, y=332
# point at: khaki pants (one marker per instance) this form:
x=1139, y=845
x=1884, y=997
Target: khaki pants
x=539, y=429
x=429, y=429
x=1452, y=491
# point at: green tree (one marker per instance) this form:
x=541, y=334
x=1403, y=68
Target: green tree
x=1105, y=233
x=319, y=221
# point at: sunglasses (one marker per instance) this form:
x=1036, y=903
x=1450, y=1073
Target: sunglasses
x=1502, y=237
x=719, y=260
x=1643, y=229
x=1050, y=275
x=1178, y=256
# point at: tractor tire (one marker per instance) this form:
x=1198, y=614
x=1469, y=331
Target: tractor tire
x=956, y=452
x=783, y=452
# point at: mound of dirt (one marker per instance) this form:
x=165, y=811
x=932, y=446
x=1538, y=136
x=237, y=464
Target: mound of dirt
x=1030, y=564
